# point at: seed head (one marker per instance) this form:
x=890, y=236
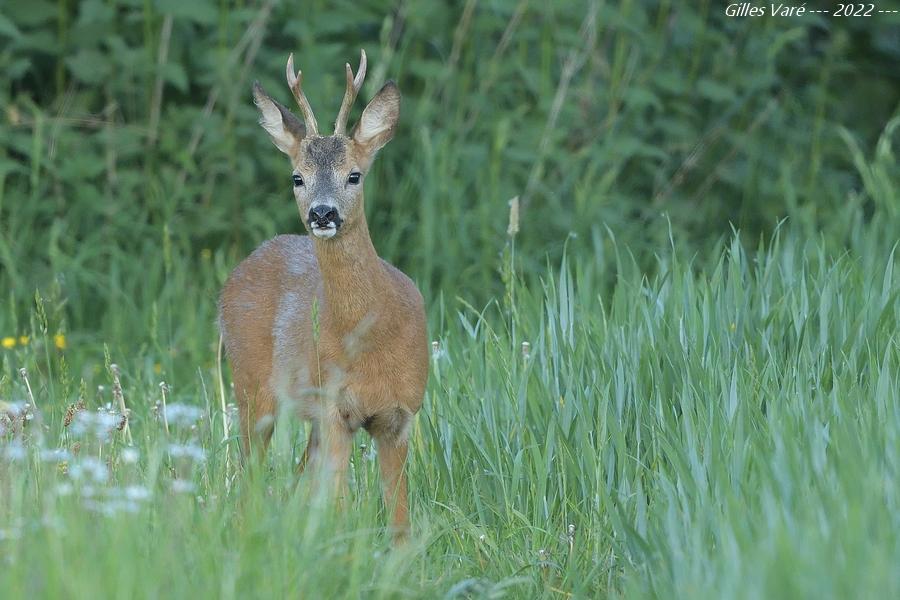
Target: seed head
x=513, y=227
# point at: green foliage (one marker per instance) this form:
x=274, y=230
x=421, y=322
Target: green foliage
x=124, y=117
x=696, y=413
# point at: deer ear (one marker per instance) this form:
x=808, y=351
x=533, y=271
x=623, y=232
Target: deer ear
x=284, y=128
x=376, y=126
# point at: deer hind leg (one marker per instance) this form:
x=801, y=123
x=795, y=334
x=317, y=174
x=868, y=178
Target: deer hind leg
x=392, y=460
x=390, y=431
x=256, y=404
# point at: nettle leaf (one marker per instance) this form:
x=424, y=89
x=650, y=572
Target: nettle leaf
x=129, y=141
x=8, y=166
x=672, y=82
x=198, y=11
x=125, y=56
x=17, y=68
x=8, y=28
x=175, y=74
x=640, y=97
x=715, y=91
x=95, y=11
x=31, y=12
x=89, y=66
x=633, y=146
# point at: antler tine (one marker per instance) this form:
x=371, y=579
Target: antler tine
x=294, y=82
x=354, y=84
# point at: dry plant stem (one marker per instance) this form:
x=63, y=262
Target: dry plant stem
x=250, y=40
x=700, y=148
x=24, y=375
x=37, y=415
x=714, y=174
x=162, y=57
x=120, y=399
x=690, y=161
x=64, y=107
x=163, y=388
x=507, y=36
x=87, y=122
x=459, y=38
x=111, y=153
x=459, y=35
x=488, y=81
x=221, y=382
x=223, y=405
x=574, y=62
x=237, y=90
x=389, y=48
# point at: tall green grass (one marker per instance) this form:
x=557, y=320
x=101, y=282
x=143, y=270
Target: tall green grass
x=732, y=432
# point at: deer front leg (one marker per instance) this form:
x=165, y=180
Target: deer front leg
x=392, y=460
x=334, y=457
x=312, y=449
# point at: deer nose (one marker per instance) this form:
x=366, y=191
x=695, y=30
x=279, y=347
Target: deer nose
x=323, y=214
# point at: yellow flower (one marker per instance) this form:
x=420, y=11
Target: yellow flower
x=23, y=340
x=59, y=340
x=206, y=254
x=157, y=368
x=8, y=342
x=732, y=327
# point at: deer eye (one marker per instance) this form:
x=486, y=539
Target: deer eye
x=354, y=178
x=298, y=181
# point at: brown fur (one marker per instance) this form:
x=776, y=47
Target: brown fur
x=366, y=363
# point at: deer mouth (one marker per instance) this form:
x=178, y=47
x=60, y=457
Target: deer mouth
x=324, y=231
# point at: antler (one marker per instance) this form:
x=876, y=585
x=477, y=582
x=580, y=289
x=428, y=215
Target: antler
x=353, y=87
x=294, y=81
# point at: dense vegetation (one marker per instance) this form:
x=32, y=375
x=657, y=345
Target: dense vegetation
x=704, y=277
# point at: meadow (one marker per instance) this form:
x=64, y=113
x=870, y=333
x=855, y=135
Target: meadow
x=672, y=373
x=733, y=433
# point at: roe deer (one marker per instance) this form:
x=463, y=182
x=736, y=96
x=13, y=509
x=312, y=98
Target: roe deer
x=322, y=322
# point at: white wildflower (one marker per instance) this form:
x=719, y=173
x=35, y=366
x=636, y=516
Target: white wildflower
x=89, y=469
x=14, y=451
x=183, y=415
x=56, y=455
x=130, y=456
x=136, y=493
x=182, y=486
x=64, y=489
x=189, y=451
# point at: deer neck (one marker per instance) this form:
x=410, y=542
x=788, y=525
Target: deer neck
x=353, y=276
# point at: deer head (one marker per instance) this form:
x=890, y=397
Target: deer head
x=328, y=171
